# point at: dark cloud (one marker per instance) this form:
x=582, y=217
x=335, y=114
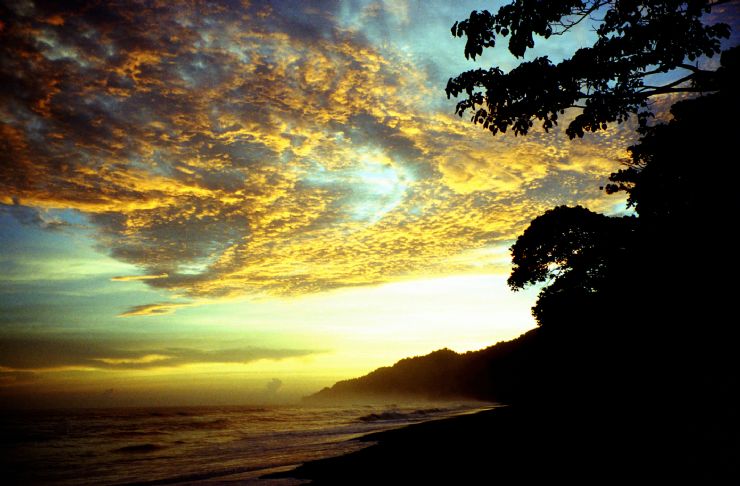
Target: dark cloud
x=29, y=216
x=273, y=386
x=365, y=130
x=304, y=21
x=22, y=355
x=13, y=378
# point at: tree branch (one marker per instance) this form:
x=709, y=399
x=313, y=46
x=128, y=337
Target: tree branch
x=586, y=13
x=691, y=68
x=669, y=85
x=720, y=2
x=647, y=94
x=661, y=70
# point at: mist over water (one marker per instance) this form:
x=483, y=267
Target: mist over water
x=182, y=444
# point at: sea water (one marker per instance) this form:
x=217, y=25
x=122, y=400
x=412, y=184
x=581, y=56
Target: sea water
x=180, y=445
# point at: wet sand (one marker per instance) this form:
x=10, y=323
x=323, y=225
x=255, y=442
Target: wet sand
x=512, y=445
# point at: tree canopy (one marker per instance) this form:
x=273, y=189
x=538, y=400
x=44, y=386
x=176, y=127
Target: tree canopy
x=577, y=252
x=608, y=82
x=636, y=307
x=681, y=205
x=585, y=259
x=662, y=179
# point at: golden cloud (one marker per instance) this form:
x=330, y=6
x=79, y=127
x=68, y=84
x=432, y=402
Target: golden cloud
x=130, y=278
x=229, y=153
x=157, y=309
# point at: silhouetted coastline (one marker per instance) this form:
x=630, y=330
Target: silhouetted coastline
x=502, y=372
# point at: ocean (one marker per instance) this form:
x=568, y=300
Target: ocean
x=182, y=445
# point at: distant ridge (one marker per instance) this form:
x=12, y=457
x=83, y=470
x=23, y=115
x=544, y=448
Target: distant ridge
x=499, y=372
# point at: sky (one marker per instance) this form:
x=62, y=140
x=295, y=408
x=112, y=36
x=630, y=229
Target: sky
x=241, y=202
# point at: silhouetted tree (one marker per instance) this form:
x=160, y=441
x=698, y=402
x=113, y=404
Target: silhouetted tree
x=578, y=252
x=676, y=183
x=609, y=81
x=632, y=307
x=664, y=180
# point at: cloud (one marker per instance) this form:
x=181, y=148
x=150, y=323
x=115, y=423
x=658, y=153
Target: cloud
x=14, y=378
x=29, y=216
x=130, y=278
x=265, y=148
x=273, y=386
x=20, y=356
x=160, y=308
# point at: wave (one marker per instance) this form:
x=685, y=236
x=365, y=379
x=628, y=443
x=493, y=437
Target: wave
x=396, y=415
x=123, y=434
x=219, y=423
x=139, y=448
x=187, y=445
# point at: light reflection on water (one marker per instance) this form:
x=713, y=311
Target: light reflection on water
x=176, y=445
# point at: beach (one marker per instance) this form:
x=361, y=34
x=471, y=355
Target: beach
x=518, y=445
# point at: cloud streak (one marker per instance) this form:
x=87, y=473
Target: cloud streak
x=158, y=309
x=20, y=355
x=133, y=278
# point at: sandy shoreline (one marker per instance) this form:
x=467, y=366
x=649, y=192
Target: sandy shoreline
x=445, y=450
x=511, y=445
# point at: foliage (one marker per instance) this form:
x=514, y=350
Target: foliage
x=608, y=81
x=632, y=307
x=662, y=179
x=574, y=250
x=590, y=261
x=493, y=373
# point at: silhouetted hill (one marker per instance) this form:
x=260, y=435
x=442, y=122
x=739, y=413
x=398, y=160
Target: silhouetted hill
x=493, y=373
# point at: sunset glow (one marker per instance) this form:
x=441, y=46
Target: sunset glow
x=200, y=198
